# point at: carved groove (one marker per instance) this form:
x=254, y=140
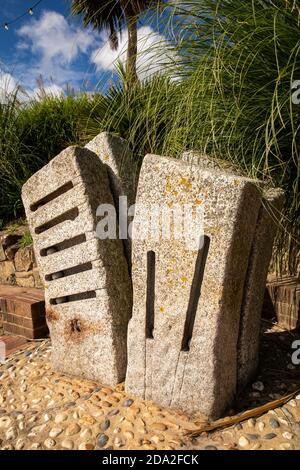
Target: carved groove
x=63, y=245
x=195, y=295
x=150, y=294
x=74, y=298
x=69, y=272
x=58, y=192
x=71, y=214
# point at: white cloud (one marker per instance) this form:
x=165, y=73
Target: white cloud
x=55, y=43
x=8, y=85
x=152, y=53
x=52, y=90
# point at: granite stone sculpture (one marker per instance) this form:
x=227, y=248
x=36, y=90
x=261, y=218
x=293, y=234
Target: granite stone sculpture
x=184, y=333
x=255, y=283
x=88, y=288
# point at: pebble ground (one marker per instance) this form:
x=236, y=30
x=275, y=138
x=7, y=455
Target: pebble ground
x=42, y=409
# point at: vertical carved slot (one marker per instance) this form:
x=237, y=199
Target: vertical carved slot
x=150, y=294
x=195, y=294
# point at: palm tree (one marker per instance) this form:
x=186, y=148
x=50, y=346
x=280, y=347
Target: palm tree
x=113, y=16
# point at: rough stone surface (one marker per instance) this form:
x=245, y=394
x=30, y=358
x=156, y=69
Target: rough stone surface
x=261, y=252
x=7, y=271
x=24, y=279
x=115, y=153
x=17, y=265
x=257, y=271
x=88, y=290
x=24, y=259
x=2, y=253
x=203, y=375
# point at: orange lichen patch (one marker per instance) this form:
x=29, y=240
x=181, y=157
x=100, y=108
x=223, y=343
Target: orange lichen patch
x=198, y=202
x=186, y=183
x=106, y=158
x=184, y=279
x=51, y=315
x=77, y=330
x=168, y=187
x=161, y=309
x=170, y=204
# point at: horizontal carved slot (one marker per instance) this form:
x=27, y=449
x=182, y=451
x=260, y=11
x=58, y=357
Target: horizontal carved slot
x=150, y=294
x=69, y=215
x=195, y=295
x=63, y=245
x=73, y=298
x=58, y=192
x=69, y=272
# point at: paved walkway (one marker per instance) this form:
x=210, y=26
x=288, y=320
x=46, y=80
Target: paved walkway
x=41, y=409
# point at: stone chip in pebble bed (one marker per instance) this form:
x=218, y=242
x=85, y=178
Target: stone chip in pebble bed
x=42, y=409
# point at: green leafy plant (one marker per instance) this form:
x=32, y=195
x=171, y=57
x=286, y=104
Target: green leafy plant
x=235, y=65
x=26, y=240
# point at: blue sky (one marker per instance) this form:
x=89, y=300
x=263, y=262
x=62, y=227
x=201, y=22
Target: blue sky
x=53, y=44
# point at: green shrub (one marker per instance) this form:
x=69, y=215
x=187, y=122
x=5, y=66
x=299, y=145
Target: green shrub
x=30, y=135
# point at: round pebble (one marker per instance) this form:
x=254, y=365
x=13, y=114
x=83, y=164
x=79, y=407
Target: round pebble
x=102, y=440
x=251, y=422
x=158, y=427
x=270, y=436
x=261, y=426
x=67, y=444
x=283, y=421
x=10, y=434
x=258, y=386
x=105, y=425
x=60, y=418
x=243, y=442
x=118, y=442
x=274, y=423
x=72, y=429
x=86, y=446
x=49, y=443
x=5, y=422
x=20, y=444
x=127, y=403
x=287, y=435
x=35, y=446
x=54, y=432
